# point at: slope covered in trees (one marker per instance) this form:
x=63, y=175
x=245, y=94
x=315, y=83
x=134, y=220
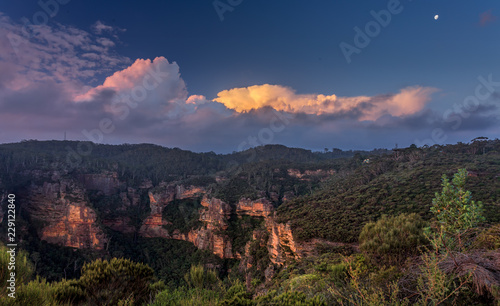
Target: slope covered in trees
x=404, y=181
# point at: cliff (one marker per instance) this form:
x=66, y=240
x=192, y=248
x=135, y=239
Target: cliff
x=63, y=216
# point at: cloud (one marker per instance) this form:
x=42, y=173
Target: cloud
x=408, y=101
x=59, y=53
x=154, y=86
x=49, y=85
x=99, y=28
x=486, y=18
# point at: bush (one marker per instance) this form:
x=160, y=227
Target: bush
x=108, y=282
x=37, y=292
x=391, y=240
x=290, y=298
x=184, y=296
x=198, y=278
x=489, y=238
x=24, y=268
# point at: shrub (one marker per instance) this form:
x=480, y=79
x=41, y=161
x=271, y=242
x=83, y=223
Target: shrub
x=108, y=282
x=24, y=268
x=197, y=277
x=184, y=296
x=489, y=238
x=37, y=292
x=391, y=240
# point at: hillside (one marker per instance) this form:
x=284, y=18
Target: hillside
x=250, y=215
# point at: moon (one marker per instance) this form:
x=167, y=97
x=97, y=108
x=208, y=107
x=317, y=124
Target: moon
x=436, y=17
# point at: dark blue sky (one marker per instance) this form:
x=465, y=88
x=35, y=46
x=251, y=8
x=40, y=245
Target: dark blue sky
x=295, y=44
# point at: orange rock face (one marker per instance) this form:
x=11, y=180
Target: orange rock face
x=258, y=208
x=152, y=226
x=281, y=243
x=214, y=215
x=65, y=216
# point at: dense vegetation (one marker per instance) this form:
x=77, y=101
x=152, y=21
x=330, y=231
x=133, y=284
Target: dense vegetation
x=403, y=182
x=414, y=236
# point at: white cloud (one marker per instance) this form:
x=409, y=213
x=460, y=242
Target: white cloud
x=408, y=101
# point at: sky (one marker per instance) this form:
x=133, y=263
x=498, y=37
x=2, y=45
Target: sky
x=227, y=75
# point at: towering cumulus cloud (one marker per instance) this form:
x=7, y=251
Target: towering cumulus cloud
x=147, y=81
x=408, y=101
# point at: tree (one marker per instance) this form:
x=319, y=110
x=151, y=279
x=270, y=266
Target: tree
x=455, y=212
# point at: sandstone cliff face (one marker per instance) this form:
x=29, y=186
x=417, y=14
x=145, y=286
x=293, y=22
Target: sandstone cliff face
x=63, y=215
x=281, y=244
x=258, y=208
x=152, y=226
x=214, y=216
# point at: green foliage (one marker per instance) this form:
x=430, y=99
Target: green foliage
x=237, y=295
x=392, y=239
x=69, y=291
x=289, y=298
x=183, y=296
x=170, y=259
x=360, y=289
x=455, y=211
x=36, y=292
x=235, y=189
x=489, y=238
x=240, y=229
x=199, y=278
x=182, y=215
x=434, y=286
x=402, y=182
x=200, y=181
x=446, y=271
x=340, y=209
x=106, y=282
x=23, y=267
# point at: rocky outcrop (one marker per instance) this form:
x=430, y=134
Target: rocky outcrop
x=257, y=208
x=206, y=239
x=214, y=215
x=152, y=226
x=63, y=216
x=183, y=192
x=281, y=244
